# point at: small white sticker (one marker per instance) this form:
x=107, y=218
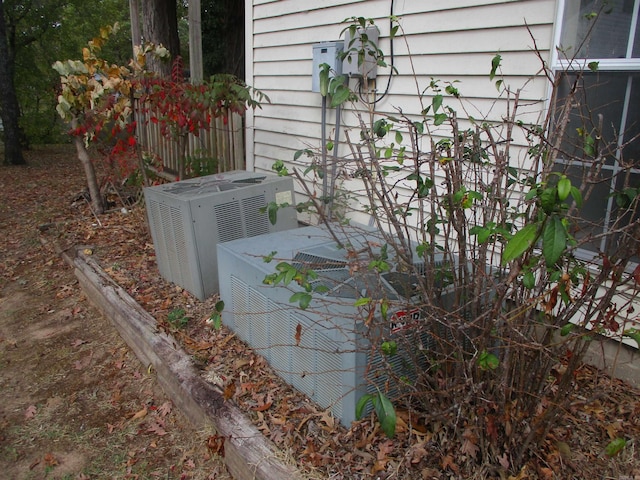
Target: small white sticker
x=284, y=197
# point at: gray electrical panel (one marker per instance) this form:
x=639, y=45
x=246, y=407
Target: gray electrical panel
x=326, y=52
x=352, y=45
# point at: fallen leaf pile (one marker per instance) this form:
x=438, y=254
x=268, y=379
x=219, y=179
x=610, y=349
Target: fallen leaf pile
x=601, y=411
x=69, y=386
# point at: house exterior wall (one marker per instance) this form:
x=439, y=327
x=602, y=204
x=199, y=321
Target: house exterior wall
x=450, y=41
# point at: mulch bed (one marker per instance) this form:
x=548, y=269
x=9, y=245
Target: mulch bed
x=602, y=408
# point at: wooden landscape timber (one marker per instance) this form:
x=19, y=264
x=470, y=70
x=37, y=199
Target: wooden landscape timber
x=248, y=455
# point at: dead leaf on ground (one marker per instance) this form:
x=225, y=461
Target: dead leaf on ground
x=264, y=404
x=448, y=462
x=50, y=460
x=215, y=443
x=157, y=427
x=30, y=412
x=417, y=453
x=165, y=409
x=469, y=446
x=84, y=363
x=139, y=414
x=229, y=390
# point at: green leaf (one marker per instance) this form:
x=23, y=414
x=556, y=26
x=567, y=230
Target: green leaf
x=567, y=329
x=398, y=137
x=488, y=361
x=548, y=199
x=589, y=145
x=384, y=308
x=564, y=188
x=340, y=95
x=633, y=334
x=362, y=403
x=615, y=446
x=554, y=240
x=303, y=299
x=324, y=79
x=389, y=348
x=289, y=275
x=483, y=233
x=577, y=196
x=451, y=90
x=219, y=307
x=362, y=301
x=520, y=243
x=531, y=194
x=593, y=66
x=436, y=102
x=320, y=289
x=216, y=320
x=439, y=118
x=529, y=280
x=273, y=212
x=299, y=153
x=495, y=63
x=386, y=414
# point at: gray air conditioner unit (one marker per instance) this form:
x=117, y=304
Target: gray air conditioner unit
x=325, y=350
x=189, y=218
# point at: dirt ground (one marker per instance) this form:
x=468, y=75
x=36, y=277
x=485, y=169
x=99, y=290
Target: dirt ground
x=74, y=401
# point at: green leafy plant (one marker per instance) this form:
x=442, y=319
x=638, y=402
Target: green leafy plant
x=216, y=316
x=615, y=446
x=486, y=233
x=272, y=211
x=287, y=273
x=178, y=318
x=99, y=99
x=383, y=408
x=181, y=108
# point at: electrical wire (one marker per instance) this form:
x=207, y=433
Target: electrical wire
x=334, y=159
x=391, y=60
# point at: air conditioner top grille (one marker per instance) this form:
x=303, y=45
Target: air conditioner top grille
x=206, y=185
x=340, y=281
x=304, y=260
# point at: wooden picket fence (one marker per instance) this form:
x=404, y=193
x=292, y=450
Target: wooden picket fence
x=223, y=143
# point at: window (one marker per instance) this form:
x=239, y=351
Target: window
x=598, y=59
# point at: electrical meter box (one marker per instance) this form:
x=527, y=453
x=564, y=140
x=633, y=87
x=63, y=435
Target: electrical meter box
x=364, y=39
x=326, y=52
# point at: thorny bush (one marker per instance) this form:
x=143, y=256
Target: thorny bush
x=487, y=223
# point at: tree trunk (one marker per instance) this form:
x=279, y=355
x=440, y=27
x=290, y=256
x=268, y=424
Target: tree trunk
x=160, y=26
x=10, y=110
x=97, y=202
x=134, y=13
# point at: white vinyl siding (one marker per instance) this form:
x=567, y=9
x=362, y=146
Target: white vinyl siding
x=453, y=40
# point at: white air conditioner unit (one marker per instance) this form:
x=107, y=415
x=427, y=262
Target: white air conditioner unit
x=190, y=217
x=324, y=350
